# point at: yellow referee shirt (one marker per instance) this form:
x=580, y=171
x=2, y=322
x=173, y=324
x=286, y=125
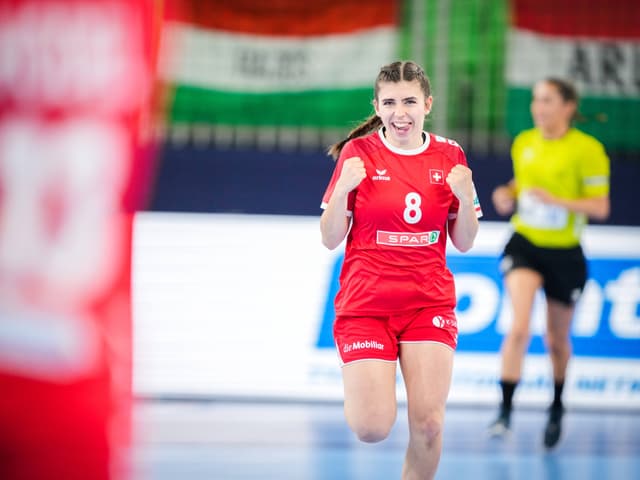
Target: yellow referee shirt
x=574, y=166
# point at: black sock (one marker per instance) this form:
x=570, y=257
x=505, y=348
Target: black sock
x=508, y=388
x=557, y=394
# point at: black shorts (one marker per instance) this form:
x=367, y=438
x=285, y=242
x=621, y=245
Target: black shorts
x=564, y=270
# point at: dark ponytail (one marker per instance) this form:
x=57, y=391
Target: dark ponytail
x=371, y=124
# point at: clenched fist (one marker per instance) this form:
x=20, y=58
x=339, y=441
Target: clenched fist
x=353, y=172
x=459, y=180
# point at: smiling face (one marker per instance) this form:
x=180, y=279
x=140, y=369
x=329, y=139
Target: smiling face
x=402, y=107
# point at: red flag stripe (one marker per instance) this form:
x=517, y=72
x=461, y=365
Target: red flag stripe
x=615, y=19
x=286, y=17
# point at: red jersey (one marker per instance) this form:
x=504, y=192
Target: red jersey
x=395, y=252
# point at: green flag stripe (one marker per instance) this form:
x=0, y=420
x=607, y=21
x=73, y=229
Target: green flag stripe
x=336, y=108
x=613, y=121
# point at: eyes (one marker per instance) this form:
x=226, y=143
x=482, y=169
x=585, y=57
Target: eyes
x=545, y=100
x=388, y=102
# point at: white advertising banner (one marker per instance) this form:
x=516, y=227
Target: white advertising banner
x=241, y=306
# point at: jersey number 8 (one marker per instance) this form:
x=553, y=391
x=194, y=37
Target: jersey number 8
x=412, y=213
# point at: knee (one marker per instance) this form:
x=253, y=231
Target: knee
x=428, y=429
x=372, y=433
x=558, y=345
x=518, y=337
x=372, y=428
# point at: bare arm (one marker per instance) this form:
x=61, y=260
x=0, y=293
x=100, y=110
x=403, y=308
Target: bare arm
x=334, y=221
x=464, y=228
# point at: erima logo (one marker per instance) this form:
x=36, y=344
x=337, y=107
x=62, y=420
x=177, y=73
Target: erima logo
x=528, y=154
x=381, y=175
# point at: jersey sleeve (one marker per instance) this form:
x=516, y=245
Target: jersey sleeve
x=347, y=152
x=455, y=204
x=595, y=171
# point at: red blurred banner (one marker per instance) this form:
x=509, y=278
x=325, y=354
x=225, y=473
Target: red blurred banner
x=76, y=86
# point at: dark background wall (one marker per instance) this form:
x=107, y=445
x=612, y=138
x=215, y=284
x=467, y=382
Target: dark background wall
x=193, y=179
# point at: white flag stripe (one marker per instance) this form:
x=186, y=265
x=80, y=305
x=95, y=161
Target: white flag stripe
x=265, y=64
x=601, y=67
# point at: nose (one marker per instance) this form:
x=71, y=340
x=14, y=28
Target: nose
x=399, y=111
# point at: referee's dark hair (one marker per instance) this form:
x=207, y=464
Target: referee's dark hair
x=566, y=89
x=568, y=92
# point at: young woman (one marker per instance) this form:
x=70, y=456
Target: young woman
x=561, y=177
x=395, y=194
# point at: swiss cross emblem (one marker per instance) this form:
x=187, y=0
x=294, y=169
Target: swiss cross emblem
x=436, y=176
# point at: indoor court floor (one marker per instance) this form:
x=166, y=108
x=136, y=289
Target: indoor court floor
x=194, y=440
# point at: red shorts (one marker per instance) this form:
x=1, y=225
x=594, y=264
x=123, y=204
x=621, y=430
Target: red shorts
x=377, y=338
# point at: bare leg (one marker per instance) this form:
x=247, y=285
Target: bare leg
x=559, y=316
x=426, y=368
x=370, y=398
x=521, y=284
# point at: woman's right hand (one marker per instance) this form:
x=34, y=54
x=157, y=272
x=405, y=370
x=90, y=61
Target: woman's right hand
x=353, y=172
x=504, y=200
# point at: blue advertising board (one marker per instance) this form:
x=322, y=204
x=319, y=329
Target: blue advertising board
x=606, y=324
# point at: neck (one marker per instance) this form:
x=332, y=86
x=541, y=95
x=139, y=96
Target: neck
x=556, y=132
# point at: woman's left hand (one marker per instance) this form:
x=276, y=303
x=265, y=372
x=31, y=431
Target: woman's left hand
x=461, y=184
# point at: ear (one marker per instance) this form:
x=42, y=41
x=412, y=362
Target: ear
x=428, y=103
x=375, y=106
x=571, y=108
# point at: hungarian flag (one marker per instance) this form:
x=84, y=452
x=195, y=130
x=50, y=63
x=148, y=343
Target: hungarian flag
x=594, y=44
x=282, y=63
